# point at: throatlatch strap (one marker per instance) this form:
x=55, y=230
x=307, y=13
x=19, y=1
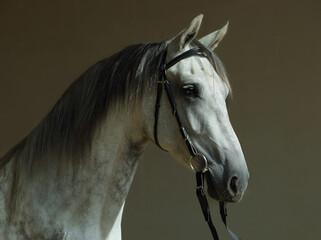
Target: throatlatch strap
x=157, y=106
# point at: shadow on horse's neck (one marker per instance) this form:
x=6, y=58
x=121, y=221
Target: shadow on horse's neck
x=116, y=150
x=113, y=157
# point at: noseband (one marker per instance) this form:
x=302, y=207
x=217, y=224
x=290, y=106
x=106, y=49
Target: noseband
x=198, y=161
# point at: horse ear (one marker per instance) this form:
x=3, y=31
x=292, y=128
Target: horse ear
x=213, y=39
x=187, y=35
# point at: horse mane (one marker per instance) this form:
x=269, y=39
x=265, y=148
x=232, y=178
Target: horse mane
x=66, y=132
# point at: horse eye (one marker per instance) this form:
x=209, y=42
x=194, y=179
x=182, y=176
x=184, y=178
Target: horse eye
x=190, y=90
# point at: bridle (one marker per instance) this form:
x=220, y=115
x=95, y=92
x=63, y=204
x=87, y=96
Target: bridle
x=196, y=157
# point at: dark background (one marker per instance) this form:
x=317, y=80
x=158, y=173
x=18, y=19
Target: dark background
x=272, y=53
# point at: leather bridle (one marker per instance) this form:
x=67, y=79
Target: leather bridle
x=196, y=158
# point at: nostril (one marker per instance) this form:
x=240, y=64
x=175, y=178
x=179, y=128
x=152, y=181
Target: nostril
x=234, y=185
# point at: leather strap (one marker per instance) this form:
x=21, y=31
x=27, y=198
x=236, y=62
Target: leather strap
x=182, y=130
x=206, y=210
x=157, y=106
x=163, y=82
x=204, y=204
x=192, y=52
x=223, y=212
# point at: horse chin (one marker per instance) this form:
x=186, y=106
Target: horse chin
x=212, y=192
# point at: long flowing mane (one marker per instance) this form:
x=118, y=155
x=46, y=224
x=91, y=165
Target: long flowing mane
x=66, y=132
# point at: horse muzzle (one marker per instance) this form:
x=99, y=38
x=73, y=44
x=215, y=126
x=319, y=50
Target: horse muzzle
x=227, y=189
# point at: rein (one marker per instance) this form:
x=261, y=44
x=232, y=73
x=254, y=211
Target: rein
x=196, y=158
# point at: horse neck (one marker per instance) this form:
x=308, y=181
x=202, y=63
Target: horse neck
x=91, y=203
x=109, y=171
x=115, y=154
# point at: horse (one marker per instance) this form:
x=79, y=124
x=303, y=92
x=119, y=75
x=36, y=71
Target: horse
x=69, y=178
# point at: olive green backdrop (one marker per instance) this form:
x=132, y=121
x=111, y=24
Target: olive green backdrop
x=272, y=53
